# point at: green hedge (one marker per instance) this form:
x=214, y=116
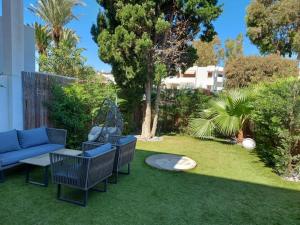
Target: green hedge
x=178, y=106
x=276, y=118
x=74, y=107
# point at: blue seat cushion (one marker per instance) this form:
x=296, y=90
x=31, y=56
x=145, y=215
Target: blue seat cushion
x=15, y=156
x=126, y=140
x=9, y=141
x=33, y=137
x=98, y=151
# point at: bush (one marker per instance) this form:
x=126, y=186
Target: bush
x=276, y=116
x=178, y=106
x=245, y=70
x=75, y=107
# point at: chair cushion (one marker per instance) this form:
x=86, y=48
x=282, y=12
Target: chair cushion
x=126, y=140
x=9, y=141
x=98, y=151
x=33, y=137
x=15, y=156
x=94, y=133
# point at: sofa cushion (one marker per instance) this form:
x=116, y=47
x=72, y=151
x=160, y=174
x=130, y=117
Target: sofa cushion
x=15, y=156
x=126, y=140
x=33, y=137
x=9, y=141
x=97, y=151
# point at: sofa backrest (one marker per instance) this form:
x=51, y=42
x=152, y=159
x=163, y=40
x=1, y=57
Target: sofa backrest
x=9, y=141
x=33, y=137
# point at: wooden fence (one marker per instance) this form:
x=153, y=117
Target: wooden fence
x=36, y=93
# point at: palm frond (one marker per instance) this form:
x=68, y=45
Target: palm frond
x=55, y=13
x=225, y=115
x=69, y=37
x=202, y=128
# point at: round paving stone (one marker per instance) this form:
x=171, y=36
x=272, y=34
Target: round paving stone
x=171, y=162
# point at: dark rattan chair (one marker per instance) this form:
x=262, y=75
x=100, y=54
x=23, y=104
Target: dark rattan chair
x=125, y=149
x=82, y=173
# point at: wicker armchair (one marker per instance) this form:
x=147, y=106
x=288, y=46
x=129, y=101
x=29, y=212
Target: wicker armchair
x=124, y=154
x=82, y=173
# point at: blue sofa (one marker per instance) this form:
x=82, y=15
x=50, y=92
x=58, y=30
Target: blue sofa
x=17, y=145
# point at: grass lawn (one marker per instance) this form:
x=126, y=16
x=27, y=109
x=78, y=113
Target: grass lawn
x=229, y=186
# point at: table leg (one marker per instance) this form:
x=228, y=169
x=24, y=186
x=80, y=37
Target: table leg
x=27, y=173
x=45, y=177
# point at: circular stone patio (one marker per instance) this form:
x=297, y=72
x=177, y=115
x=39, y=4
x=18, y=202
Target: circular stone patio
x=171, y=162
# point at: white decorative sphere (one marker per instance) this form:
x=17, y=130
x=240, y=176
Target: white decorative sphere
x=249, y=143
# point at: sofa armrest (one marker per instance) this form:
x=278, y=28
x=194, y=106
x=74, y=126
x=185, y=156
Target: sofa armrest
x=57, y=136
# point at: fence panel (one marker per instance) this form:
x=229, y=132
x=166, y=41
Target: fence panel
x=36, y=93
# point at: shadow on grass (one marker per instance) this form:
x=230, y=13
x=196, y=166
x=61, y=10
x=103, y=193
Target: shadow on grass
x=152, y=196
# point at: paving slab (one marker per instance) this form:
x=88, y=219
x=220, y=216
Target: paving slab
x=171, y=162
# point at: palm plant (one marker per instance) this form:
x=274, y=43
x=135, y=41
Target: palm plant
x=42, y=37
x=56, y=14
x=69, y=37
x=228, y=115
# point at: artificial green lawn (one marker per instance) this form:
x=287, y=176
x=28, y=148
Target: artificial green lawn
x=229, y=186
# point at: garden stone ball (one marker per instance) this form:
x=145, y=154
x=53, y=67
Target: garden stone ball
x=249, y=144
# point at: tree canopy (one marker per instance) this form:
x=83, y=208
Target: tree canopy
x=234, y=47
x=209, y=53
x=56, y=14
x=140, y=38
x=274, y=26
x=245, y=70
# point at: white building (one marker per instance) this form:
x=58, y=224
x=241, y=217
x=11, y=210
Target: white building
x=107, y=77
x=17, y=54
x=211, y=78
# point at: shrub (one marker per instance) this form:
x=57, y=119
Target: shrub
x=227, y=115
x=75, y=107
x=276, y=116
x=245, y=70
x=178, y=106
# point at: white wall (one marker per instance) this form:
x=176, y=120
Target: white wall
x=4, y=123
x=29, y=49
x=17, y=54
x=1, y=47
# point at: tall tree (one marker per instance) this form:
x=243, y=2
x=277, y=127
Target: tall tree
x=56, y=14
x=274, y=26
x=209, y=53
x=234, y=47
x=146, y=40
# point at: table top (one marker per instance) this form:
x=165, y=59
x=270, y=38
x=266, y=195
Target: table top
x=44, y=160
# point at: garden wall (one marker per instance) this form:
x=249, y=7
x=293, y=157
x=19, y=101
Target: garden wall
x=36, y=93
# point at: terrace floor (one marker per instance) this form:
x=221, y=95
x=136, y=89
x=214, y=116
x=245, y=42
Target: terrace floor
x=229, y=186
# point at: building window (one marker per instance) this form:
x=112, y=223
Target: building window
x=189, y=74
x=210, y=74
x=220, y=75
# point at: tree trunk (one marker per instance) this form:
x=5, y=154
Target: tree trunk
x=240, y=136
x=146, y=128
x=156, y=112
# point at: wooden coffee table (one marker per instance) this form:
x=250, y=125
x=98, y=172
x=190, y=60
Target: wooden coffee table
x=44, y=161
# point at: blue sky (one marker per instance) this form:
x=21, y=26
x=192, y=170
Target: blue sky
x=228, y=25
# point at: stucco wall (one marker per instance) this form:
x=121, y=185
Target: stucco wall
x=1, y=47
x=16, y=54
x=29, y=49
